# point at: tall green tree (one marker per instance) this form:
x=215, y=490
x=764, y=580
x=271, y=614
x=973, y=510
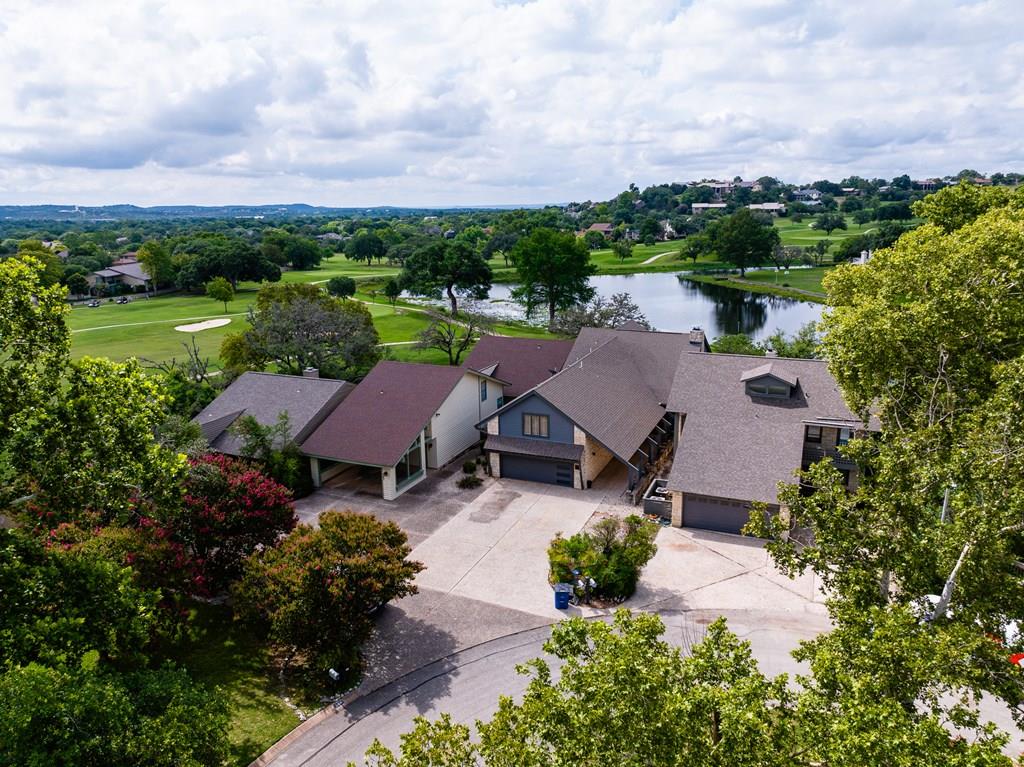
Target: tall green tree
x=554, y=271
x=156, y=259
x=828, y=222
x=365, y=246
x=449, y=268
x=743, y=240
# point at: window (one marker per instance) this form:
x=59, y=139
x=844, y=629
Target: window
x=535, y=425
x=768, y=388
x=411, y=465
x=813, y=434
x=844, y=436
x=483, y=389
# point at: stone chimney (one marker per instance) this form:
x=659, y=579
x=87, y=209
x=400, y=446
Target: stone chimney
x=696, y=336
x=771, y=353
x=311, y=373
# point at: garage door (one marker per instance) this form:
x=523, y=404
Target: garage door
x=536, y=470
x=720, y=514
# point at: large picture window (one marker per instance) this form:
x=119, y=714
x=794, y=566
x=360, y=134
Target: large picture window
x=535, y=425
x=411, y=465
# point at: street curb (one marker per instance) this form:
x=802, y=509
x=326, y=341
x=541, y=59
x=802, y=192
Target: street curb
x=402, y=685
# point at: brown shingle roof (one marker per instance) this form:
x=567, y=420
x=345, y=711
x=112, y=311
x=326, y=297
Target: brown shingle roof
x=378, y=421
x=737, y=446
x=522, y=362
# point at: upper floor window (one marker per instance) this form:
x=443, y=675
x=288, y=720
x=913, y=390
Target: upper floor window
x=845, y=435
x=766, y=387
x=535, y=425
x=483, y=389
x=813, y=434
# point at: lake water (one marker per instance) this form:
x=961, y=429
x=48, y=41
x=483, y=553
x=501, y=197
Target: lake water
x=670, y=303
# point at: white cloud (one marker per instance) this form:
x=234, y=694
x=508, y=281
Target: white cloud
x=482, y=101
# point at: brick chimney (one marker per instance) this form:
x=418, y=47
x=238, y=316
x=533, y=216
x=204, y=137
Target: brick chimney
x=311, y=373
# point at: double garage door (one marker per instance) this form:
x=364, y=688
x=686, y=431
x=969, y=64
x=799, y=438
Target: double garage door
x=720, y=514
x=536, y=470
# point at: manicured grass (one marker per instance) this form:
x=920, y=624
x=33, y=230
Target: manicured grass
x=803, y=235
x=226, y=655
x=801, y=279
x=754, y=286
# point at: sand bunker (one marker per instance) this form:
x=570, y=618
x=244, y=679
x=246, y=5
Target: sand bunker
x=195, y=327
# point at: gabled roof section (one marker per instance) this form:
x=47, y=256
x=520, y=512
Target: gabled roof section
x=655, y=354
x=737, y=446
x=772, y=370
x=521, y=362
x=605, y=394
x=264, y=396
x=378, y=422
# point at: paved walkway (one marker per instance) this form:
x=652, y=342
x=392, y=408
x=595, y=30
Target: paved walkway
x=655, y=257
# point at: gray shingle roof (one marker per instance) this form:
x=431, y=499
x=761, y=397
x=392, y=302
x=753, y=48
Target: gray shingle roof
x=522, y=362
x=654, y=354
x=605, y=393
x=263, y=396
x=781, y=372
x=378, y=422
x=542, y=448
x=737, y=446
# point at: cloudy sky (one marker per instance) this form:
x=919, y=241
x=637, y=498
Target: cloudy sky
x=488, y=102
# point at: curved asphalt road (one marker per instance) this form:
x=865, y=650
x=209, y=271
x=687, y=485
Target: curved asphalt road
x=468, y=683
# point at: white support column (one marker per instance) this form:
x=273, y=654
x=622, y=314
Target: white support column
x=314, y=470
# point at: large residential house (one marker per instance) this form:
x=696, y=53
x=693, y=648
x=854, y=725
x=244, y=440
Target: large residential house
x=774, y=208
x=807, y=196
x=716, y=431
x=744, y=424
x=126, y=272
x=606, y=405
x=401, y=420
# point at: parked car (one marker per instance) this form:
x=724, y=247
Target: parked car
x=93, y=304
x=123, y=300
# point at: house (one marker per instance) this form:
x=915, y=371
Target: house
x=126, y=258
x=603, y=228
x=307, y=400
x=401, y=420
x=744, y=424
x=810, y=197
x=774, y=208
x=605, y=406
x=701, y=207
x=131, y=275
x=521, y=362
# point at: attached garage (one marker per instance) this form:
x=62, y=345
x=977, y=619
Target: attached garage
x=537, y=470
x=722, y=515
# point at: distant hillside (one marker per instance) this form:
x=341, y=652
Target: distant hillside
x=291, y=210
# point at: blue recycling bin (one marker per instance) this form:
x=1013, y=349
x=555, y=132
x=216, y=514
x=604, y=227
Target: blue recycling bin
x=562, y=594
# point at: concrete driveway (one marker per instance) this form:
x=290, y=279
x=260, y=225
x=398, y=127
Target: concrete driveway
x=495, y=549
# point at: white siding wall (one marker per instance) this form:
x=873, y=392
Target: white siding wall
x=454, y=427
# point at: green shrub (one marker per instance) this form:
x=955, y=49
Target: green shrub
x=613, y=554
x=469, y=481
x=469, y=467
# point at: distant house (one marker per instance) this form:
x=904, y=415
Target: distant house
x=606, y=406
x=306, y=399
x=851, y=191
x=632, y=235
x=807, y=196
x=131, y=274
x=775, y=208
x=744, y=424
x=401, y=420
x=126, y=258
x=702, y=207
x=604, y=228
x=521, y=363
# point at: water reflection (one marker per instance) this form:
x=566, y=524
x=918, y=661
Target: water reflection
x=671, y=303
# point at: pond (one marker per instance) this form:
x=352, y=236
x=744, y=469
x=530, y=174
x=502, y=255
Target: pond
x=671, y=303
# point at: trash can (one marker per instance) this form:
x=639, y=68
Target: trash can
x=562, y=593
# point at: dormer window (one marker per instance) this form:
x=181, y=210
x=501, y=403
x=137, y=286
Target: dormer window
x=768, y=387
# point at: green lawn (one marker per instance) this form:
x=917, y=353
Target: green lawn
x=801, y=279
x=228, y=656
x=803, y=235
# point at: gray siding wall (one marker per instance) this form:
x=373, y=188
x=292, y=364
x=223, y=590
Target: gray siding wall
x=560, y=428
